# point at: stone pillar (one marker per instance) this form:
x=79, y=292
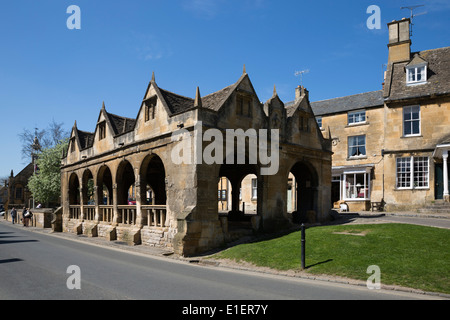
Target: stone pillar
x=82, y=202
x=97, y=203
x=445, y=165
x=115, y=204
x=137, y=186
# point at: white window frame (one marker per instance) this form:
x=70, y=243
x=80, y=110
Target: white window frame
x=355, y=117
x=413, y=73
x=410, y=173
x=353, y=189
x=319, y=122
x=357, y=146
x=409, y=122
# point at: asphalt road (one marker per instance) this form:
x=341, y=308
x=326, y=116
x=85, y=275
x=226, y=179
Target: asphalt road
x=34, y=266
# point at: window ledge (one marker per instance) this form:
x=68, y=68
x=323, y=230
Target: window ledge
x=412, y=136
x=411, y=189
x=357, y=158
x=351, y=125
x=416, y=83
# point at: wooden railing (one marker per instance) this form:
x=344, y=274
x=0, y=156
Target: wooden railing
x=89, y=212
x=106, y=213
x=74, y=212
x=127, y=214
x=154, y=216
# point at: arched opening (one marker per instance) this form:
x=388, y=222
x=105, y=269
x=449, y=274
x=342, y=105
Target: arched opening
x=153, y=192
x=88, y=188
x=248, y=194
x=74, y=190
x=74, y=197
x=88, y=195
x=243, y=196
x=126, y=194
x=153, y=181
x=125, y=184
x=302, y=191
x=105, y=194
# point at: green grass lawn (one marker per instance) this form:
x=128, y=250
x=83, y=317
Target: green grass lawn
x=408, y=255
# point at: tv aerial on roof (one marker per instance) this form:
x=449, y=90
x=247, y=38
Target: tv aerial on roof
x=412, y=8
x=301, y=73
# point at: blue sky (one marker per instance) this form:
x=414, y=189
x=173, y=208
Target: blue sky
x=50, y=72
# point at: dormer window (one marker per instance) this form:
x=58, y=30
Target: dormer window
x=416, y=70
x=72, y=145
x=150, y=106
x=416, y=74
x=102, y=130
x=244, y=105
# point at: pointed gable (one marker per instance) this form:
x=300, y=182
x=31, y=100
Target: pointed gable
x=215, y=101
x=416, y=61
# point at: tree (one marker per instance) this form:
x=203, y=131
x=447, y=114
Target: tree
x=45, y=184
x=48, y=137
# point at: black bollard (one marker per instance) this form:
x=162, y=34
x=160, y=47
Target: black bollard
x=303, y=246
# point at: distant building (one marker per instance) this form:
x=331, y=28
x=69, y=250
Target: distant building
x=392, y=145
x=17, y=192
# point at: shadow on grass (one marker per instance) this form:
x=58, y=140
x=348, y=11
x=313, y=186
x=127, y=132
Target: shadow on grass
x=316, y=264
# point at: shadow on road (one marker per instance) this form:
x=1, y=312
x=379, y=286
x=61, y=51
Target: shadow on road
x=16, y=241
x=10, y=260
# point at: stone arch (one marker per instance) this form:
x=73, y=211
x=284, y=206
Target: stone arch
x=74, y=189
x=104, y=186
x=153, y=181
x=87, y=187
x=235, y=173
x=305, y=190
x=125, y=180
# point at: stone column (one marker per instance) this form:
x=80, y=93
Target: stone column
x=97, y=202
x=81, y=202
x=115, y=204
x=445, y=165
x=137, y=186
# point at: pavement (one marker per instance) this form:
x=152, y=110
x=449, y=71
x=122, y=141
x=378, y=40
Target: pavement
x=438, y=220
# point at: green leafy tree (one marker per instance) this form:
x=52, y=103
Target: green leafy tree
x=45, y=184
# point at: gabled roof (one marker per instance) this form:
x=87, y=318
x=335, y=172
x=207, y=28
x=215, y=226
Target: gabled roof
x=215, y=100
x=348, y=103
x=85, y=138
x=438, y=76
x=172, y=102
x=417, y=60
x=119, y=124
x=176, y=102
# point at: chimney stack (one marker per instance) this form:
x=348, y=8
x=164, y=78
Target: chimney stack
x=300, y=92
x=399, y=41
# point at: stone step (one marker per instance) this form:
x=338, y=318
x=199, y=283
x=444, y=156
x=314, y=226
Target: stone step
x=435, y=209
